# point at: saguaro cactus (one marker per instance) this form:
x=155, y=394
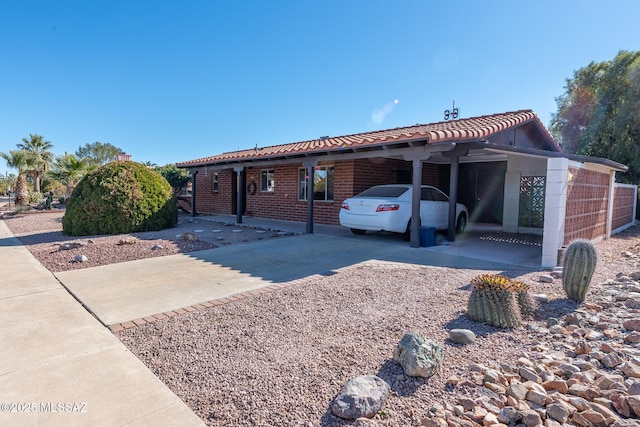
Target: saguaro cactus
x=580, y=261
x=493, y=302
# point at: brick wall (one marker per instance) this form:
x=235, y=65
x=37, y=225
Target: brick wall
x=587, y=205
x=350, y=177
x=623, y=204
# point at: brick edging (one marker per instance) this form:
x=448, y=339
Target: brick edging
x=117, y=327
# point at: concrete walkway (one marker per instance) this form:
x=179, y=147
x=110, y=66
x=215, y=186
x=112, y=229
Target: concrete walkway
x=135, y=290
x=60, y=366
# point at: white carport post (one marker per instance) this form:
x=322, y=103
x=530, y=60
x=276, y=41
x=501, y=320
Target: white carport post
x=555, y=209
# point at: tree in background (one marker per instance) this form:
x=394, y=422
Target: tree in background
x=150, y=165
x=177, y=178
x=599, y=113
x=69, y=170
x=98, y=153
x=6, y=182
x=21, y=161
x=41, y=157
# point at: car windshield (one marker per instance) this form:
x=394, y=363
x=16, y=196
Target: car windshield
x=383, y=192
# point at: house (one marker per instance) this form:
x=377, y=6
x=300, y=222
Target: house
x=505, y=167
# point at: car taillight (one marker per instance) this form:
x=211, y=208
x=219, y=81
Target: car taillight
x=345, y=206
x=388, y=207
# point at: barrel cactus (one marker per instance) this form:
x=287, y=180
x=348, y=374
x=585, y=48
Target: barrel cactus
x=525, y=300
x=493, y=302
x=580, y=260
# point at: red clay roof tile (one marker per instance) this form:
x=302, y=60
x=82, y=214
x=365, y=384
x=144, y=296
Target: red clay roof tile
x=460, y=130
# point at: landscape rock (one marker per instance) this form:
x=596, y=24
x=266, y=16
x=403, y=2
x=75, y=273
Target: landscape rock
x=128, y=240
x=546, y=278
x=632, y=324
x=634, y=405
x=418, y=356
x=560, y=411
x=71, y=245
x=631, y=369
x=80, y=258
x=462, y=336
x=361, y=397
x=189, y=237
x=531, y=418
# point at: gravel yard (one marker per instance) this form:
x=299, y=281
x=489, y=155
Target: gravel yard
x=41, y=233
x=278, y=359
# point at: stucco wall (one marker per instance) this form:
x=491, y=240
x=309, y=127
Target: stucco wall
x=518, y=166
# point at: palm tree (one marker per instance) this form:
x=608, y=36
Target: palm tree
x=20, y=160
x=69, y=170
x=38, y=150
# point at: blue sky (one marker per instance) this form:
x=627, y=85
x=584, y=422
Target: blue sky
x=170, y=81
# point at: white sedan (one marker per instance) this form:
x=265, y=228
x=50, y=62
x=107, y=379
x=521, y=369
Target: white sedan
x=388, y=208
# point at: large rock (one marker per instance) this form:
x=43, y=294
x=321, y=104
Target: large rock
x=462, y=336
x=632, y=324
x=361, y=397
x=419, y=357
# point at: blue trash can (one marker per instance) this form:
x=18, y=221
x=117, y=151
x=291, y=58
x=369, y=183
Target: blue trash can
x=427, y=236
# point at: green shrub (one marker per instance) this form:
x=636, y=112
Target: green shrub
x=120, y=197
x=35, y=197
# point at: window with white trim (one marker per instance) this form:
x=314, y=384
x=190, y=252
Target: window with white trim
x=214, y=182
x=267, y=180
x=322, y=183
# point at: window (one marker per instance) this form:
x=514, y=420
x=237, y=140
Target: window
x=322, y=183
x=214, y=182
x=384, y=191
x=433, y=194
x=267, y=180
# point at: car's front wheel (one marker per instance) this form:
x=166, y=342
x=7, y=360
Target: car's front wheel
x=461, y=223
x=358, y=232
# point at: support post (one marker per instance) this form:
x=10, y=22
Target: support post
x=239, y=193
x=193, y=192
x=454, y=154
x=310, y=171
x=415, y=203
x=453, y=196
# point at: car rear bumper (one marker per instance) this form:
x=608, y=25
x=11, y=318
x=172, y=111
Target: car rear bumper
x=379, y=222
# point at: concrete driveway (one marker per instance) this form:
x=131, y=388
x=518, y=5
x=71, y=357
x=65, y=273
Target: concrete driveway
x=123, y=292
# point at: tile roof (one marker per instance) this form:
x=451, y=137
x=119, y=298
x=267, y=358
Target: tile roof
x=469, y=129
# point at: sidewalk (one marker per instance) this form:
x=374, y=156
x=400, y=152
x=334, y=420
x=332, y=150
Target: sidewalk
x=60, y=366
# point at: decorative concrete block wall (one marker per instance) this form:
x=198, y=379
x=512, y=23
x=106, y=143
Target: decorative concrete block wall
x=624, y=207
x=588, y=193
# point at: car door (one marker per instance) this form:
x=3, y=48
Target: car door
x=434, y=208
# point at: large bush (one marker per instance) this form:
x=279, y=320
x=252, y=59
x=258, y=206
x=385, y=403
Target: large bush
x=120, y=197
